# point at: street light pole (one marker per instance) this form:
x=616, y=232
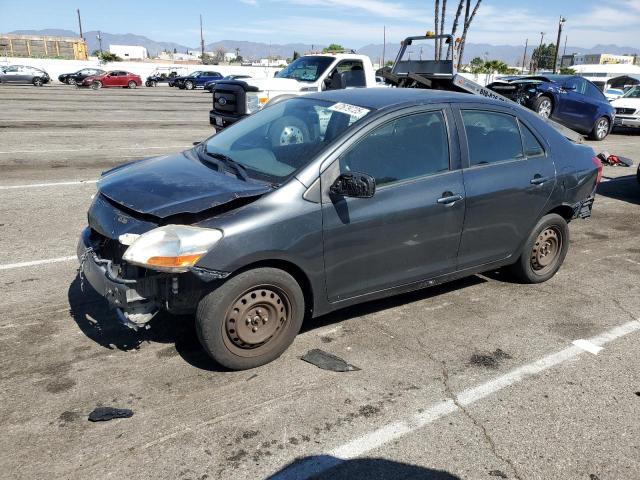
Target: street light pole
x=524, y=57
x=537, y=61
x=555, y=56
x=201, y=41
x=80, y=24
x=99, y=37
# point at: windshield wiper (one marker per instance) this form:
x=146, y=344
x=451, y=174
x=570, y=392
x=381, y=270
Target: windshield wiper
x=241, y=172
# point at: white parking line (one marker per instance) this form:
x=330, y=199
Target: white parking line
x=52, y=184
x=587, y=346
x=390, y=432
x=92, y=149
x=10, y=266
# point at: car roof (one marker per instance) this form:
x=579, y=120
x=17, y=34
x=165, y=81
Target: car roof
x=379, y=98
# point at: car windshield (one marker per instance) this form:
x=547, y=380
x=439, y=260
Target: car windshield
x=306, y=69
x=273, y=144
x=633, y=92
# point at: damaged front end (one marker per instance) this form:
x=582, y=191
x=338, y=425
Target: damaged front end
x=137, y=292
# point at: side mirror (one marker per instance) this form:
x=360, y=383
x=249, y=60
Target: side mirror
x=354, y=184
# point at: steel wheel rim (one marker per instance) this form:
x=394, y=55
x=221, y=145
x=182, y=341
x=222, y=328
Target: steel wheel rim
x=132, y=85
x=546, y=250
x=602, y=127
x=37, y=82
x=544, y=110
x=256, y=319
x=291, y=135
x=188, y=85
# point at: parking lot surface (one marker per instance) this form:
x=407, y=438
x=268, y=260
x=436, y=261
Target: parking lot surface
x=477, y=379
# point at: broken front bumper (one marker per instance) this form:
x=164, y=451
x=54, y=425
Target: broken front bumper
x=135, y=300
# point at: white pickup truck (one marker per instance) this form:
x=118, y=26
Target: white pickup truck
x=235, y=99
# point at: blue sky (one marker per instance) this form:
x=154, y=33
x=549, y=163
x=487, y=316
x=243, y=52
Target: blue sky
x=352, y=23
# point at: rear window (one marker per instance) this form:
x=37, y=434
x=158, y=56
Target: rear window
x=532, y=147
x=492, y=137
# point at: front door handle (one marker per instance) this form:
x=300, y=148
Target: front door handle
x=539, y=180
x=449, y=198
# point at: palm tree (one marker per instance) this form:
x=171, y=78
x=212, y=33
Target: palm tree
x=468, y=18
x=456, y=18
x=437, y=12
x=442, y=17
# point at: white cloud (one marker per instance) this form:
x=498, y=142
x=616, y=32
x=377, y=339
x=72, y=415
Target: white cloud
x=250, y=2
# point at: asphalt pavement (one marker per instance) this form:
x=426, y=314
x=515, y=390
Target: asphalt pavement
x=476, y=379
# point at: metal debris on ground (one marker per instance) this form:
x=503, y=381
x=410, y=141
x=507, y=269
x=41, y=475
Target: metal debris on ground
x=614, y=160
x=104, y=414
x=327, y=361
x=498, y=473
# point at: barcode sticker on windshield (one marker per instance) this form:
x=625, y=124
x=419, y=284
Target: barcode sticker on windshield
x=348, y=109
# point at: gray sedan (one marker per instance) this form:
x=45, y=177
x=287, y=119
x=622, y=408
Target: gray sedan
x=20, y=74
x=329, y=200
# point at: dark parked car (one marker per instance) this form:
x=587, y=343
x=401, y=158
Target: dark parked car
x=570, y=100
x=79, y=76
x=209, y=85
x=196, y=79
x=21, y=74
x=328, y=200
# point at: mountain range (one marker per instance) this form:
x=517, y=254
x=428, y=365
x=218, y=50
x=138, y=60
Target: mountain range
x=511, y=54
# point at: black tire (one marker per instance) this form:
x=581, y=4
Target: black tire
x=96, y=85
x=148, y=84
x=132, y=84
x=543, y=106
x=532, y=266
x=71, y=81
x=638, y=174
x=601, y=129
x=267, y=291
x=189, y=85
x=37, y=81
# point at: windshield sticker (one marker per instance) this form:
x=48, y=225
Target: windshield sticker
x=351, y=110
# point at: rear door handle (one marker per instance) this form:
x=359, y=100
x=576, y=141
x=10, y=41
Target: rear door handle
x=449, y=199
x=538, y=180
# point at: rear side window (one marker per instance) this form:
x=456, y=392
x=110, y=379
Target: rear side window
x=594, y=92
x=405, y=148
x=492, y=137
x=532, y=147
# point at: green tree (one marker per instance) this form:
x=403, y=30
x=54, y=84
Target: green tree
x=106, y=57
x=542, y=57
x=334, y=47
x=567, y=71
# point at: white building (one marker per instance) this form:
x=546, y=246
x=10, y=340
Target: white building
x=606, y=70
x=230, y=56
x=129, y=52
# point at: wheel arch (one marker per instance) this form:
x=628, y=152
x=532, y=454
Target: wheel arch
x=565, y=211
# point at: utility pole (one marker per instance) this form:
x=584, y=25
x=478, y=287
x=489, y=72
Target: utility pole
x=555, y=56
x=99, y=37
x=80, y=24
x=564, y=51
x=384, y=44
x=201, y=41
x=524, y=57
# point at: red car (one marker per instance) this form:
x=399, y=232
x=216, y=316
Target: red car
x=115, y=78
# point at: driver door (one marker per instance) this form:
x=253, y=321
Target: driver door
x=410, y=229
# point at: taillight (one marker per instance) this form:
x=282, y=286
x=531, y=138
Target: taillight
x=596, y=161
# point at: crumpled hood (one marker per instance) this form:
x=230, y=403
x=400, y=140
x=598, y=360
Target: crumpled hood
x=174, y=184
x=275, y=84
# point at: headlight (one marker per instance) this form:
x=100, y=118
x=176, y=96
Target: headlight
x=173, y=248
x=255, y=101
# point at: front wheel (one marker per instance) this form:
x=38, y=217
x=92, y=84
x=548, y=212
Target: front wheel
x=37, y=81
x=132, y=84
x=600, y=129
x=544, y=251
x=251, y=319
x=188, y=85
x=71, y=81
x=96, y=85
x=543, y=106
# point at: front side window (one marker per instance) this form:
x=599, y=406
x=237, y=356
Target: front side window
x=408, y=147
x=491, y=137
x=274, y=143
x=579, y=85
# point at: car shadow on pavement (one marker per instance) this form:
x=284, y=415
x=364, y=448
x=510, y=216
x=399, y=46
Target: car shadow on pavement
x=358, y=469
x=99, y=322
x=626, y=189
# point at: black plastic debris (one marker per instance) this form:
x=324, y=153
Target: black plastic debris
x=104, y=414
x=327, y=361
x=498, y=473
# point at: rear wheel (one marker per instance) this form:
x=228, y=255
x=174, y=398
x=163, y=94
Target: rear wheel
x=600, y=129
x=132, y=84
x=544, y=251
x=250, y=319
x=188, y=85
x=543, y=106
x=37, y=81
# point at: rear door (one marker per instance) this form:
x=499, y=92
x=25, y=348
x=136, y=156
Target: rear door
x=509, y=175
x=576, y=107
x=410, y=229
